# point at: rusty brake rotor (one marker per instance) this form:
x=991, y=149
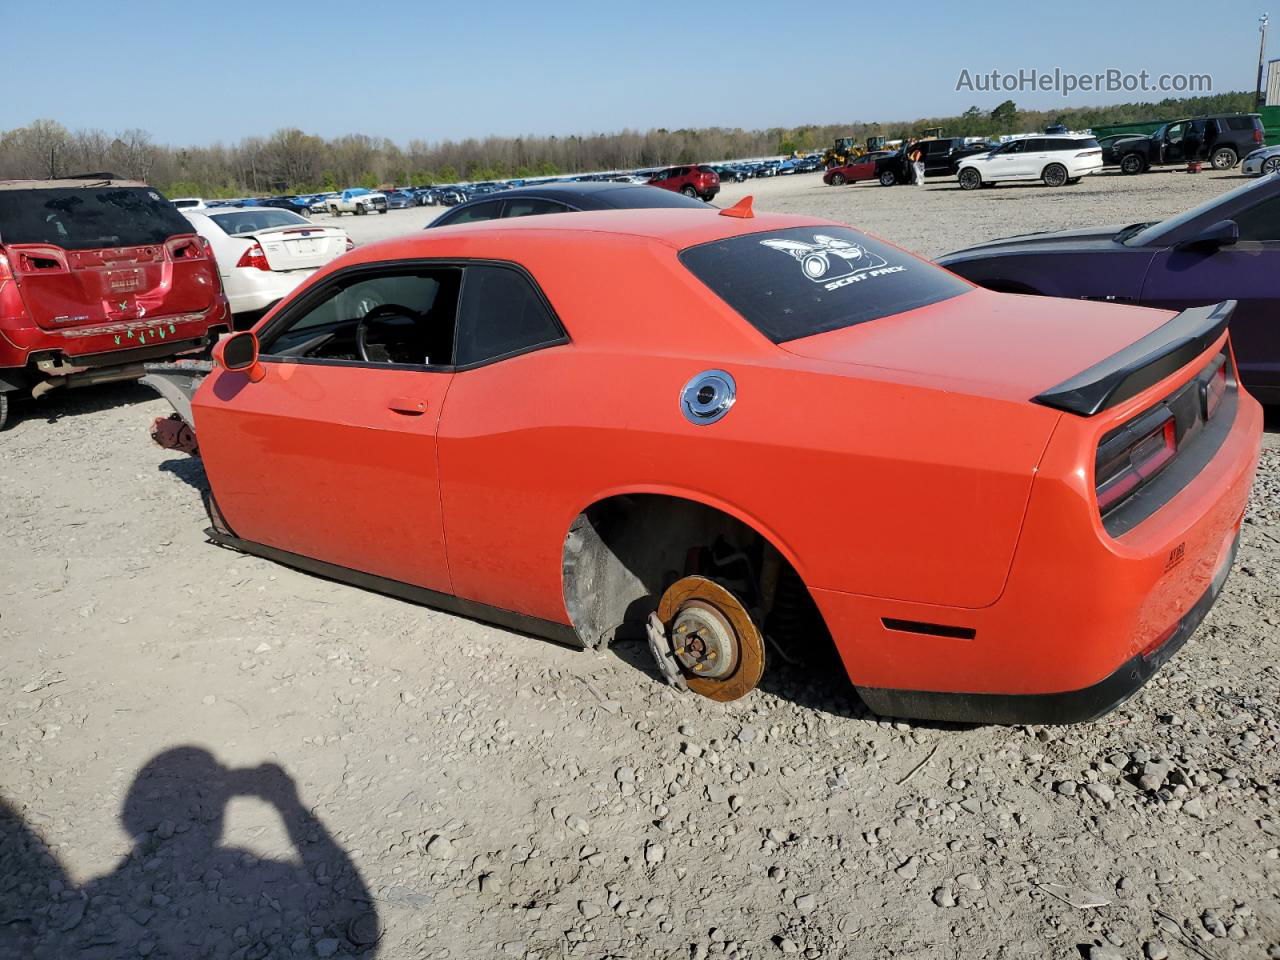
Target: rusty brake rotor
x=718, y=647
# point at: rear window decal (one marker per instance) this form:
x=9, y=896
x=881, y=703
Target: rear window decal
x=833, y=262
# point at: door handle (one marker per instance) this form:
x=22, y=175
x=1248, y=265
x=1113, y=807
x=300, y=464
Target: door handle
x=410, y=405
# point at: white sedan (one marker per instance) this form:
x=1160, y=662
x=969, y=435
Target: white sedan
x=263, y=252
x=1055, y=160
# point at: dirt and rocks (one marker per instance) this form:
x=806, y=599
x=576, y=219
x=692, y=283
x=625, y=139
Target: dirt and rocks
x=204, y=754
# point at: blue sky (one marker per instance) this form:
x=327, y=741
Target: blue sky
x=204, y=72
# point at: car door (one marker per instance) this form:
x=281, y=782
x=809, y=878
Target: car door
x=1033, y=158
x=1245, y=271
x=1003, y=163
x=937, y=156
x=332, y=453
x=864, y=169
x=512, y=373
x=1172, y=150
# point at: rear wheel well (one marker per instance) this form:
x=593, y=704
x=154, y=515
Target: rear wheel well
x=623, y=552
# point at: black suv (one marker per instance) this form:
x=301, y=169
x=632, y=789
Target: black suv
x=942, y=156
x=1222, y=139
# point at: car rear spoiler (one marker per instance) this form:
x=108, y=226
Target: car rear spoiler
x=1144, y=362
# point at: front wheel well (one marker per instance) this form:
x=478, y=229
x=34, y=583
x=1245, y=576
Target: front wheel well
x=623, y=552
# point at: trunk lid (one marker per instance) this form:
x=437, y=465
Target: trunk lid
x=300, y=247
x=998, y=345
x=71, y=288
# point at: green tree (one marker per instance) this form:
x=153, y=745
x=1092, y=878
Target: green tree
x=1005, y=116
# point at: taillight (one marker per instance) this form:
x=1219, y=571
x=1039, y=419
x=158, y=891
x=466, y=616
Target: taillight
x=1257, y=135
x=11, y=305
x=1133, y=455
x=1214, y=389
x=254, y=257
x=1089, y=153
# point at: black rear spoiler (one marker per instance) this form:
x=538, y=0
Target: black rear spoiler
x=1144, y=362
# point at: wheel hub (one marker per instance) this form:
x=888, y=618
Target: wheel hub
x=705, y=644
x=714, y=642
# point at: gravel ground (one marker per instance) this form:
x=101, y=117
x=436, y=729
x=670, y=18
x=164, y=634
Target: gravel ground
x=204, y=754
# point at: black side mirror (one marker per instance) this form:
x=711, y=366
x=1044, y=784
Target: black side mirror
x=238, y=351
x=1224, y=233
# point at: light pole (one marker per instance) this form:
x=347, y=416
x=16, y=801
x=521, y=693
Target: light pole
x=1262, y=53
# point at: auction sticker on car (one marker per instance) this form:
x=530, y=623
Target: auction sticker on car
x=804, y=281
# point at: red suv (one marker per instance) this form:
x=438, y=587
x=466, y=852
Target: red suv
x=700, y=181
x=96, y=277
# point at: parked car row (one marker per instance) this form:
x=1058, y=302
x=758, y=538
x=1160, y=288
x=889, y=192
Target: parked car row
x=1054, y=160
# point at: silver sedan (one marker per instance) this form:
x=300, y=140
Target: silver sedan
x=1262, y=161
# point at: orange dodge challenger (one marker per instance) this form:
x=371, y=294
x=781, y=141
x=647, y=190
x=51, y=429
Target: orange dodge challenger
x=717, y=427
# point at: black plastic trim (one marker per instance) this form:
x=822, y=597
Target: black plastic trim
x=472, y=609
x=1072, y=706
x=1141, y=364
x=929, y=629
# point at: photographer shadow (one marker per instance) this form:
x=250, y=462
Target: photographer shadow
x=180, y=891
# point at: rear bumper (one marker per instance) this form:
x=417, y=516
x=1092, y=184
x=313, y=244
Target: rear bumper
x=95, y=345
x=1072, y=706
x=250, y=290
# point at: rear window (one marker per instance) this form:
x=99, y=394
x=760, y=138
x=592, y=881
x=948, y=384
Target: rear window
x=260, y=218
x=86, y=218
x=804, y=281
x=1241, y=123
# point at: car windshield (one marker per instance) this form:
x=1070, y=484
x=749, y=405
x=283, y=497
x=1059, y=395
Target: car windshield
x=260, y=218
x=803, y=281
x=1151, y=233
x=87, y=218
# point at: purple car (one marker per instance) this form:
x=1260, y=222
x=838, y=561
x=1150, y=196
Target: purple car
x=1226, y=249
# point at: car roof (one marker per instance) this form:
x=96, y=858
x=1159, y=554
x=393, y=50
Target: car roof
x=84, y=183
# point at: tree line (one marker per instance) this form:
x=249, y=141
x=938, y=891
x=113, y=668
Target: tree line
x=292, y=161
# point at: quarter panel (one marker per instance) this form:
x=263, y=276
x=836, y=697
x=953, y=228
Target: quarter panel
x=872, y=487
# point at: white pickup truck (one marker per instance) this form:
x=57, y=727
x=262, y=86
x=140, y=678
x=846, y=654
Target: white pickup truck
x=357, y=200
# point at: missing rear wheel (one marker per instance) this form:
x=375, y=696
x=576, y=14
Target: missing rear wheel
x=704, y=631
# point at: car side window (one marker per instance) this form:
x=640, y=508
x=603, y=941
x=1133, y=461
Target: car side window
x=1175, y=131
x=502, y=313
x=532, y=206
x=1261, y=222
x=489, y=210
x=400, y=316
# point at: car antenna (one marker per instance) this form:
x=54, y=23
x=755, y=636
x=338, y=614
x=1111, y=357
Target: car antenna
x=741, y=209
